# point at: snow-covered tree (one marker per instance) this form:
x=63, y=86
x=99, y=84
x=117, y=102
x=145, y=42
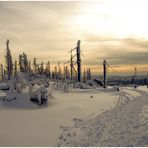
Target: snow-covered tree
x=53, y=75
x=47, y=70
x=59, y=75
x=41, y=68
x=29, y=66
x=84, y=76
x=55, y=72
x=9, y=63
x=67, y=73
x=20, y=63
x=88, y=74
x=25, y=62
x=37, y=69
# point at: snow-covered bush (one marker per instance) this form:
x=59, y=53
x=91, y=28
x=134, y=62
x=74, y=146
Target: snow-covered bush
x=66, y=87
x=42, y=95
x=117, y=88
x=47, y=84
x=51, y=98
x=18, y=88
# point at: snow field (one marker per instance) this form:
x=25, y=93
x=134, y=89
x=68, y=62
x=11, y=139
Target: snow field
x=24, y=123
x=124, y=125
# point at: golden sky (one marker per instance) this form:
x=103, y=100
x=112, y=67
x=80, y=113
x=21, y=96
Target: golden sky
x=115, y=30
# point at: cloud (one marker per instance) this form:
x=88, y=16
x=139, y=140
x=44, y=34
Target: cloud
x=42, y=30
x=137, y=43
x=36, y=26
x=116, y=51
x=128, y=58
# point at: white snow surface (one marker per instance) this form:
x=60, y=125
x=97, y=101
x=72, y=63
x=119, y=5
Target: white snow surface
x=124, y=125
x=23, y=123
x=78, y=117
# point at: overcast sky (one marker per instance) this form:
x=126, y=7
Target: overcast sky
x=115, y=30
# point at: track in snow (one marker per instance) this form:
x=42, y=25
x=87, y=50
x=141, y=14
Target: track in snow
x=123, y=125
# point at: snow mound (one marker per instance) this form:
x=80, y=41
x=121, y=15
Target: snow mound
x=23, y=100
x=18, y=101
x=143, y=88
x=4, y=86
x=83, y=85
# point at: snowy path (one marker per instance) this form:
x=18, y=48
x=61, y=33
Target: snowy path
x=124, y=125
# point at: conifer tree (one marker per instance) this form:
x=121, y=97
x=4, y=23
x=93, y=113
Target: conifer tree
x=29, y=66
x=42, y=68
x=47, y=70
x=25, y=62
x=88, y=74
x=84, y=76
x=37, y=69
x=9, y=63
x=59, y=71
x=55, y=72
x=21, y=62
x=64, y=72
x=53, y=75
x=67, y=73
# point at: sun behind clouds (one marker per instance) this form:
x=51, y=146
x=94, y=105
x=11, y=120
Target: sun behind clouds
x=108, y=29
x=112, y=17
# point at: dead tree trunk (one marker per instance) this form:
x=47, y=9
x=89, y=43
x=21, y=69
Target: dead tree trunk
x=78, y=61
x=71, y=67
x=15, y=68
x=35, y=66
x=2, y=71
x=135, y=72
x=104, y=73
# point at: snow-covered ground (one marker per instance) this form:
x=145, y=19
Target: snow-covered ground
x=124, y=125
x=79, y=117
x=22, y=123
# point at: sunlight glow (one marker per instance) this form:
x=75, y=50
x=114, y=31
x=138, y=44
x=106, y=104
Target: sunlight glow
x=116, y=18
x=115, y=30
